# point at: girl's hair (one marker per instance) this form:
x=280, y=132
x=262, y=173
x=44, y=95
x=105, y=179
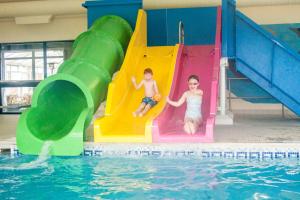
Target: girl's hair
x=148, y=71
x=193, y=77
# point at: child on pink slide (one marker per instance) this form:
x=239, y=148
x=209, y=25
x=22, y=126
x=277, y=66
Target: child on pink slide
x=193, y=98
x=151, y=91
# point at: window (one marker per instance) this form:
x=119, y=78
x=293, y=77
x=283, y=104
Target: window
x=16, y=98
x=28, y=63
x=57, y=52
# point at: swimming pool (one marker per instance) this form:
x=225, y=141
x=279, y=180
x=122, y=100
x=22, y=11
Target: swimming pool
x=27, y=177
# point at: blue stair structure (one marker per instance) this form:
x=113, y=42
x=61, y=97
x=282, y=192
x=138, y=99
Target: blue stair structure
x=268, y=62
x=264, y=59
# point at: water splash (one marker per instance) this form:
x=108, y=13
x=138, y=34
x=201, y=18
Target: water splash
x=40, y=162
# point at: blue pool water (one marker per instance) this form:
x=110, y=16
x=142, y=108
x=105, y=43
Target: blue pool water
x=29, y=177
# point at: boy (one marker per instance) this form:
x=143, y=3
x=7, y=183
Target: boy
x=150, y=90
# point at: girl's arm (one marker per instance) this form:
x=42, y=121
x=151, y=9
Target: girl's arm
x=201, y=92
x=155, y=88
x=137, y=86
x=179, y=102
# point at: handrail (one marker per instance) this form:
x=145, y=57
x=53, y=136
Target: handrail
x=180, y=33
x=267, y=35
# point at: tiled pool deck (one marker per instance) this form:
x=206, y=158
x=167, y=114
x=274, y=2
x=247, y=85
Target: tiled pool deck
x=256, y=134
x=214, y=150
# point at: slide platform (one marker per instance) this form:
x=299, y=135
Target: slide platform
x=168, y=126
x=204, y=61
x=118, y=124
x=63, y=104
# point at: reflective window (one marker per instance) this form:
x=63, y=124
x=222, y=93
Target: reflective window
x=53, y=64
x=20, y=69
x=28, y=62
x=16, y=98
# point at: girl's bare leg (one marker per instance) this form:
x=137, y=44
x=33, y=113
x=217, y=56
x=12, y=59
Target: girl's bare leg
x=141, y=107
x=186, y=128
x=191, y=127
x=194, y=125
x=146, y=109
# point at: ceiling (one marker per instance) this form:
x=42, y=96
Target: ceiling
x=25, y=8
x=239, y=2
x=9, y=1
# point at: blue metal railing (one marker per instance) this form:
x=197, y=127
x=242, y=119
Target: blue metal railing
x=268, y=35
x=268, y=62
x=269, y=81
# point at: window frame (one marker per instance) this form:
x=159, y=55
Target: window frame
x=26, y=83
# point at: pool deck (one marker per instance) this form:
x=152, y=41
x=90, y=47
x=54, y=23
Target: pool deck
x=256, y=126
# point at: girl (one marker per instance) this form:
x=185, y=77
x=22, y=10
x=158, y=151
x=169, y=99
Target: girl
x=193, y=98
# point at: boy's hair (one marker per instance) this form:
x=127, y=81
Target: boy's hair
x=193, y=77
x=148, y=71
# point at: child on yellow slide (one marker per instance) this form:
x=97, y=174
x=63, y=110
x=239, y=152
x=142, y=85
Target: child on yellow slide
x=151, y=93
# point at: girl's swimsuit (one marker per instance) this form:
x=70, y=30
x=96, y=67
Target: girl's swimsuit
x=193, y=107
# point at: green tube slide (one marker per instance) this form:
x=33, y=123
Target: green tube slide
x=63, y=104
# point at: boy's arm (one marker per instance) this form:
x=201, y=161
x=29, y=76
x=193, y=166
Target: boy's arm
x=137, y=86
x=179, y=102
x=155, y=88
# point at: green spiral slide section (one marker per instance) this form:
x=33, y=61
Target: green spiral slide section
x=63, y=104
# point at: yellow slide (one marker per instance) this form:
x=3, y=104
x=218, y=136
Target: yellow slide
x=118, y=124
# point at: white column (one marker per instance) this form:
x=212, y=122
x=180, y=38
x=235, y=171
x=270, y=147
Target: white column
x=223, y=65
x=224, y=117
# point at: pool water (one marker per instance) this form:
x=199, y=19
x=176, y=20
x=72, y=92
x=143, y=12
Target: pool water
x=29, y=177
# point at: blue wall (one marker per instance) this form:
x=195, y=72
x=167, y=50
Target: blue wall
x=199, y=25
x=241, y=88
x=228, y=28
x=124, y=8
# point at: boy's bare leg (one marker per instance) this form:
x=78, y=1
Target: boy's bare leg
x=140, y=108
x=146, y=109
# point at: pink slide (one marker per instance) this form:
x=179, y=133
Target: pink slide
x=204, y=61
